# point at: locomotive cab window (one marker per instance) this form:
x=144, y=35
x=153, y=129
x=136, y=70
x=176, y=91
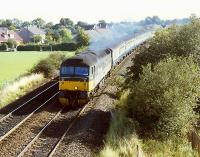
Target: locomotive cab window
x=67, y=70
x=82, y=71
x=74, y=71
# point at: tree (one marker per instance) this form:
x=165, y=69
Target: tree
x=26, y=24
x=36, y=39
x=164, y=99
x=8, y=23
x=49, y=25
x=81, y=24
x=39, y=22
x=66, y=35
x=56, y=36
x=173, y=41
x=11, y=43
x=66, y=22
x=49, y=35
x=16, y=23
x=82, y=38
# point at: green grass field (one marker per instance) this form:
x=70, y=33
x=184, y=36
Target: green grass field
x=14, y=64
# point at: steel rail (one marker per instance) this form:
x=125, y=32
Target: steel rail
x=21, y=122
x=9, y=114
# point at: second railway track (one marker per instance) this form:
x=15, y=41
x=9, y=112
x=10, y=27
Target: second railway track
x=36, y=127
x=46, y=141
x=16, y=141
x=10, y=121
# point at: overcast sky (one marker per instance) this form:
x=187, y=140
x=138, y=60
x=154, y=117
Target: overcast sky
x=95, y=10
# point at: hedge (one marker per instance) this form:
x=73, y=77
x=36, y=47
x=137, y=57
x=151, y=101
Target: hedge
x=54, y=47
x=28, y=48
x=65, y=47
x=3, y=47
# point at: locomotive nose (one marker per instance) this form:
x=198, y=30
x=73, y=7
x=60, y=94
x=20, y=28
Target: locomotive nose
x=73, y=85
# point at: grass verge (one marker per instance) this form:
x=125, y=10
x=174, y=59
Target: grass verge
x=121, y=139
x=23, y=85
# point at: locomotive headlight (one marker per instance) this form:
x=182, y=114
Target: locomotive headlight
x=75, y=88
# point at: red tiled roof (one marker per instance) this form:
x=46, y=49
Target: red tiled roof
x=17, y=38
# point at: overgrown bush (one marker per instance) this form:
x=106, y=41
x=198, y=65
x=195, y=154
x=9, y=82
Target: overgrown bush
x=173, y=41
x=56, y=59
x=49, y=65
x=164, y=98
x=44, y=66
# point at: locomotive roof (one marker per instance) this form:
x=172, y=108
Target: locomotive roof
x=85, y=58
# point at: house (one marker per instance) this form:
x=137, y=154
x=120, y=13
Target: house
x=90, y=27
x=95, y=26
x=28, y=33
x=6, y=34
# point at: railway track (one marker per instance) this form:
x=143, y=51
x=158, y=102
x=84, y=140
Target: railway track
x=37, y=127
x=19, y=102
x=12, y=120
x=48, y=139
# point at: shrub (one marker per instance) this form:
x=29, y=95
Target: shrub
x=164, y=98
x=3, y=47
x=173, y=41
x=36, y=38
x=11, y=43
x=169, y=148
x=44, y=66
x=56, y=59
x=49, y=65
x=82, y=38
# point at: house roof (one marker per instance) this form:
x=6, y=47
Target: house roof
x=6, y=31
x=36, y=31
x=17, y=37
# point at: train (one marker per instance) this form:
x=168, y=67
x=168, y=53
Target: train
x=81, y=75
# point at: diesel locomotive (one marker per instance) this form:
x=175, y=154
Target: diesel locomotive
x=81, y=75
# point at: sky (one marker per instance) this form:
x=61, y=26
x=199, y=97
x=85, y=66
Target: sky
x=94, y=10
